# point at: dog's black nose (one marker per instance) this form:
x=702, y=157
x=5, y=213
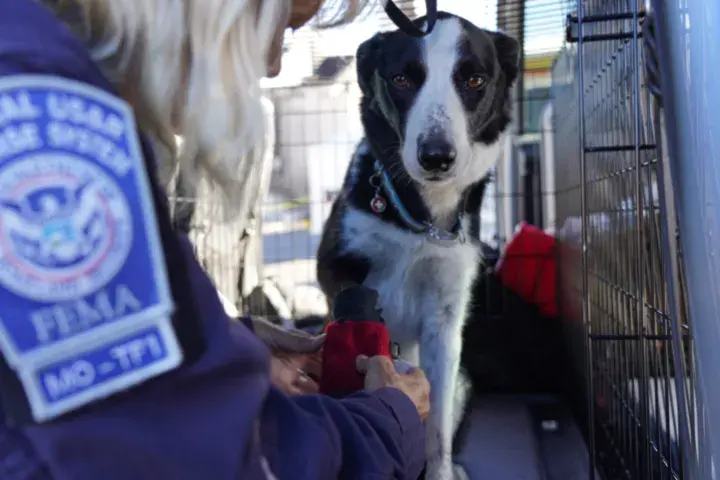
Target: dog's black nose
x=436, y=155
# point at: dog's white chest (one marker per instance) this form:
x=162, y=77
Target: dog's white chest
x=412, y=275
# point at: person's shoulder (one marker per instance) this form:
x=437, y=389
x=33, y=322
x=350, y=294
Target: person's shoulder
x=33, y=41
x=79, y=236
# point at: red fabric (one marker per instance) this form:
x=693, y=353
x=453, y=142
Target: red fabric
x=528, y=268
x=343, y=343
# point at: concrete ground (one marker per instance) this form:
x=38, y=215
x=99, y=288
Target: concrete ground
x=523, y=438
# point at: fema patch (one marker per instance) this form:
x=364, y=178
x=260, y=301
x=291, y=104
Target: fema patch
x=85, y=304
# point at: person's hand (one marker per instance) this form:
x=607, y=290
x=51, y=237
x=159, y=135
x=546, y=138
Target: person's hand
x=295, y=373
x=381, y=372
x=277, y=337
x=294, y=362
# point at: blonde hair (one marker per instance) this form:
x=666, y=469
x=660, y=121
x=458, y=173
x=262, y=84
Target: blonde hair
x=192, y=68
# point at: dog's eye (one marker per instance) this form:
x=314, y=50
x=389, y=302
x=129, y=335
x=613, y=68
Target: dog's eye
x=475, y=82
x=401, y=81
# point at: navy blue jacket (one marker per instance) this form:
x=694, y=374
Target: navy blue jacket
x=218, y=417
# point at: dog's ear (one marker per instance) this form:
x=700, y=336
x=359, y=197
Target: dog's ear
x=508, y=51
x=368, y=58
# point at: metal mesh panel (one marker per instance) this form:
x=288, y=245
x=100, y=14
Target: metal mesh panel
x=218, y=245
x=606, y=173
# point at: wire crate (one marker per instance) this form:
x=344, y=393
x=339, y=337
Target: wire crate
x=635, y=363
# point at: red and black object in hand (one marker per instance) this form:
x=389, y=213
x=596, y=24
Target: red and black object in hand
x=356, y=329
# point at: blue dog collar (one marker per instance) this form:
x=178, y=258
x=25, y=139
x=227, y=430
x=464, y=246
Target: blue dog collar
x=381, y=181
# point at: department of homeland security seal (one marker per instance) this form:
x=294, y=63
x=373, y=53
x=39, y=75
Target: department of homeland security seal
x=65, y=227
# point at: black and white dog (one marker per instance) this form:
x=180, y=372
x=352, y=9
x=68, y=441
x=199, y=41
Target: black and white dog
x=435, y=111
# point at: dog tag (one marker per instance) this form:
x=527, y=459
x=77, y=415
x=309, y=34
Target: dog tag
x=84, y=297
x=378, y=204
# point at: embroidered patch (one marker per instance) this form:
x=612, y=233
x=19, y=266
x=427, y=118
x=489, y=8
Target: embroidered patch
x=84, y=298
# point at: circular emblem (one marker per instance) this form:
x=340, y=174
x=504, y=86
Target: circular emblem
x=378, y=204
x=65, y=228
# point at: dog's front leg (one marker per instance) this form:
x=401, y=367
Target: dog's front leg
x=440, y=346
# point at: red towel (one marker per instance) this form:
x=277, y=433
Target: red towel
x=528, y=268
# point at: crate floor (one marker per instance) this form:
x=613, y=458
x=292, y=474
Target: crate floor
x=522, y=438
